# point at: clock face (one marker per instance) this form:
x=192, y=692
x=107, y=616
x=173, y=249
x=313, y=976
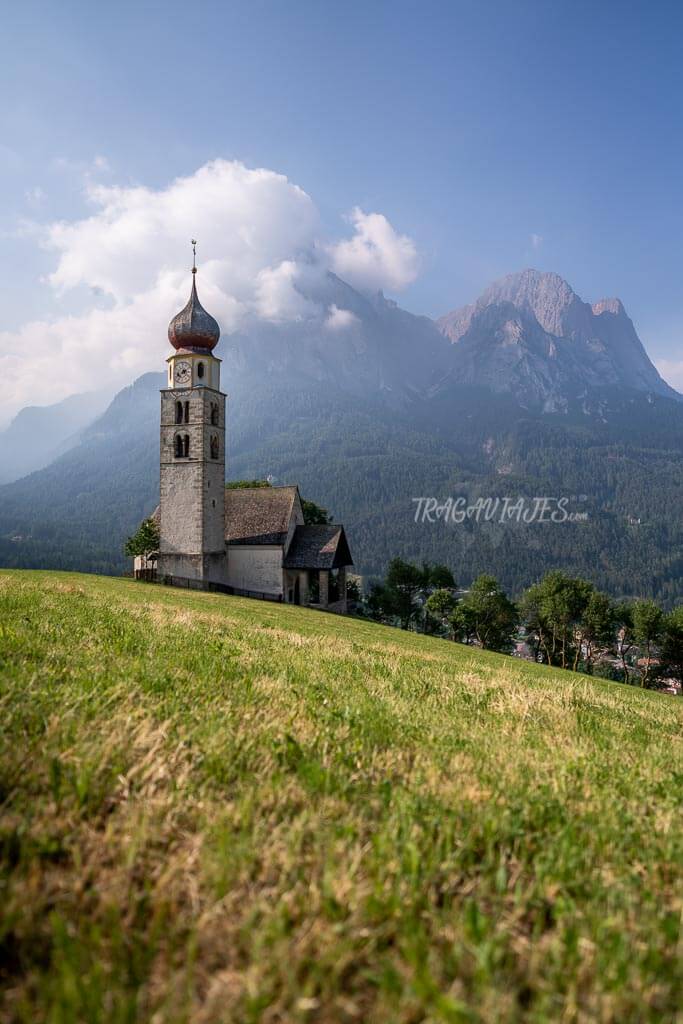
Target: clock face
x=183, y=372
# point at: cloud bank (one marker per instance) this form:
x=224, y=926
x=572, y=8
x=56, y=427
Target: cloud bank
x=259, y=237
x=376, y=257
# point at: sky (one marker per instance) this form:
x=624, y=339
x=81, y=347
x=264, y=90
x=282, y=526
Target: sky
x=423, y=148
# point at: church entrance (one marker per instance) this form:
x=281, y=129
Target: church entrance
x=297, y=591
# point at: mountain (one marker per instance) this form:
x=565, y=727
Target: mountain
x=365, y=345
x=363, y=405
x=531, y=335
x=38, y=434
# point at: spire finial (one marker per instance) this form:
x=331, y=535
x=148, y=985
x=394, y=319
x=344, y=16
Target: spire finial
x=194, y=255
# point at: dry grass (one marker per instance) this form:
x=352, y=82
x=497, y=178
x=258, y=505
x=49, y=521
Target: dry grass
x=221, y=810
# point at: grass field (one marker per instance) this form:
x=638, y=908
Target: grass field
x=216, y=809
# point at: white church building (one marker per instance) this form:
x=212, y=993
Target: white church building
x=251, y=541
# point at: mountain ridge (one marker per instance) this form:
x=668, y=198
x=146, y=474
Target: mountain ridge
x=531, y=334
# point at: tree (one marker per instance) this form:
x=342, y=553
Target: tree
x=552, y=611
x=441, y=605
x=596, y=628
x=235, y=485
x=672, y=645
x=438, y=576
x=353, y=588
x=315, y=514
x=145, y=541
x=486, y=615
x=403, y=587
x=648, y=620
x=625, y=641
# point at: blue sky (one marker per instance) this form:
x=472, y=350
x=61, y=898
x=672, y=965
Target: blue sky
x=495, y=135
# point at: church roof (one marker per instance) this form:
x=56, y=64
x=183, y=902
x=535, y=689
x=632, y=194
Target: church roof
x=318, y=547
x=258, y=515
x=193, y=327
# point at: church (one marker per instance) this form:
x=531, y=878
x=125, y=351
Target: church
x=251, y=541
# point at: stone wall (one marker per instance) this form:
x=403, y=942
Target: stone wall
x=255, y=567
x=192, y=489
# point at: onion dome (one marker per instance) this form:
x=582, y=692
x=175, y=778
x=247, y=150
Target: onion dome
x=193, y=327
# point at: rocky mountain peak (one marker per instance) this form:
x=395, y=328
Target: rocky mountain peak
x=615, y=306
x=547, y=295
x=563, y=347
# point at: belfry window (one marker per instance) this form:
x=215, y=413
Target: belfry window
x=187, y=412
x=182, y=446
x=179, y=412
x=214, y=414
x=214, y=446
x=200, y=370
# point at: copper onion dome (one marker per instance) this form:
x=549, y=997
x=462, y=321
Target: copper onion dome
x=193, y=327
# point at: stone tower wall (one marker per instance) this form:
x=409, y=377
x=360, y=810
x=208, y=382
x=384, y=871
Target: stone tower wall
x=192, y=490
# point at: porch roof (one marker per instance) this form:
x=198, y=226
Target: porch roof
x=318, y=547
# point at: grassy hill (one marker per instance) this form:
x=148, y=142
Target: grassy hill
x=214, y=809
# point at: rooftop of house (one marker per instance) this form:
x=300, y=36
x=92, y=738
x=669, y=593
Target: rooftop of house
x=258, y=515
x=318, y=547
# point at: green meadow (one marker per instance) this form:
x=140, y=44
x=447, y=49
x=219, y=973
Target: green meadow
x=221, y=810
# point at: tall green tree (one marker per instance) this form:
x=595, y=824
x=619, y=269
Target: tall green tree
x=552, y=610
x=648, y=622
x=624, y=638
x=672, y=646
x=441, y=605
x=487, y=615
x=314, y=514
x=596, y=629
x=405, y=589
x=145, y=541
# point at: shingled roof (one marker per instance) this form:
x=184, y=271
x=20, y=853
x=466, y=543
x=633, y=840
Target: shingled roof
x=258, y=515
x=318, y=547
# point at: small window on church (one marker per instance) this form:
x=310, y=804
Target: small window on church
x=179, y=412
x=200, y=370
x=186, y=446
x=179, y=446
x=187, y=412
x=214, y=446
x=214, y=414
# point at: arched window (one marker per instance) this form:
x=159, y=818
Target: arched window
x=179, y=412
x=186, y=446
x=187, y=412
x=214, y=446
x=214, y=414
x=200, y=370
x=178, y=446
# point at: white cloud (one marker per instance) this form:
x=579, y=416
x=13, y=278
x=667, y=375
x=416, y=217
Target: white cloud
x=377, y=256
x=672, y=372
x=246, y=221
x=536, y=241
x=339, y=319
x=259, y=238
x=277, y=298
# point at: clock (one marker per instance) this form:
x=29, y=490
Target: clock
x=183, y=372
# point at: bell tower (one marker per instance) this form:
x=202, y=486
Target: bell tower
x=192, y=463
